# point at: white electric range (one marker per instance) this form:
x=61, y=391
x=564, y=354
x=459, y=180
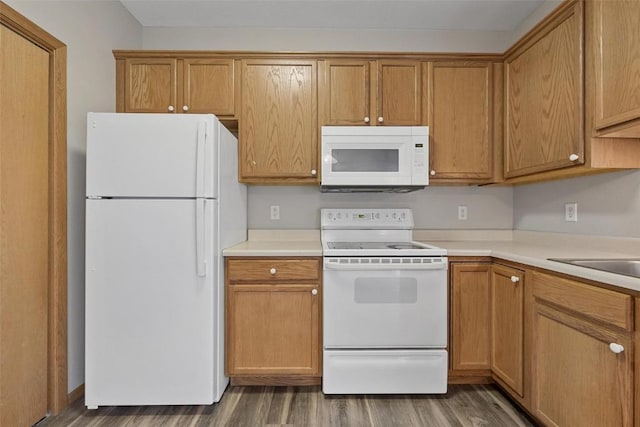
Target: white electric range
x=384, y=306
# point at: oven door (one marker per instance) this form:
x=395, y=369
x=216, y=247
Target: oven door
x=380, y=305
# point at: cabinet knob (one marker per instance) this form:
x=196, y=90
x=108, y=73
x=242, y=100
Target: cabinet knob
x=366, y=119
x=185, y=108
x=574, y=157
x=251, y=162
x=314, y=292
x=313, y=172
x=515, y=279
x=432, y=173
x=616, y=348
x=170, y=108
x=380, y=119
x=272, y=271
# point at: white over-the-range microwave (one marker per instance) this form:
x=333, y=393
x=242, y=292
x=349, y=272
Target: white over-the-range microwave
x=376, y=158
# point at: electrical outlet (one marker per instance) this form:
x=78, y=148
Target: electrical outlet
x=571, y=212
x=462, y=213
x=275, y=212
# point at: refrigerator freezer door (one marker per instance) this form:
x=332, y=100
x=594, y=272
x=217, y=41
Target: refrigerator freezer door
x=151, y=155
x=150, y=326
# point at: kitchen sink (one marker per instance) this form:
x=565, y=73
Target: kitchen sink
x=627, y=266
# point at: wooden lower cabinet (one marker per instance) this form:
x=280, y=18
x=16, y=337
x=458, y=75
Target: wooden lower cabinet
x=273, y=332
x=470, y=344
x=577, y=378
x=507, y=326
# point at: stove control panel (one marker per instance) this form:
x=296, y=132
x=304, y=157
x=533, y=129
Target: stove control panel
x=367, y=218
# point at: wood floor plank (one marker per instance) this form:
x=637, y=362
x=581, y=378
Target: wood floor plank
x=462, y=406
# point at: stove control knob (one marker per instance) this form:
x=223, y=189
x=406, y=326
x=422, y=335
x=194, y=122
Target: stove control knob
x=272, y=271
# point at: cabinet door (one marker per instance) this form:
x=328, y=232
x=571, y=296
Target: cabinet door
x=461, y=120
x=617, y=66
x=399, y=93
x=507, y=322
x=273, y=329
x=346, y=92
x=577, y=380
x=209, y=86
x=150, y=85
x=278, y=126
x=470, y=316
x=544, y=100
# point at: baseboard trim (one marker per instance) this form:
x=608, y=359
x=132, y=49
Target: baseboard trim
x=76, y=394
x=275, y=380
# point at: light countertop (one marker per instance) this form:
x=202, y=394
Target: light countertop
x=525, y=247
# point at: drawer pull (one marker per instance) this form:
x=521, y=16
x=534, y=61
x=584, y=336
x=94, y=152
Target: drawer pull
x=314, y=292
x=272, y=271
x=616, y=348
x=515, y=279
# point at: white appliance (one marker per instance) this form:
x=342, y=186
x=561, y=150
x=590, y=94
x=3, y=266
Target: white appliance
x=163, y=200
x=384, y=306
x=376, y=158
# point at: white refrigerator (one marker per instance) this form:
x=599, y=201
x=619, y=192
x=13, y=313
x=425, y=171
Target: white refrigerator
x=163, y=200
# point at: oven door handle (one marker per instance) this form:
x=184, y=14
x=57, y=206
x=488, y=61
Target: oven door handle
x=368, y=267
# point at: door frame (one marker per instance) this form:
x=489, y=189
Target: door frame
x=57, y=277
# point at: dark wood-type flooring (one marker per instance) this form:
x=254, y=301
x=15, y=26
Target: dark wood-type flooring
x=463, y=405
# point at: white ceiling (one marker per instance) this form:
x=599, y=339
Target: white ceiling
x=461, y=15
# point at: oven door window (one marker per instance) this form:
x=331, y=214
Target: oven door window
x=365, y=160
x=386, y=290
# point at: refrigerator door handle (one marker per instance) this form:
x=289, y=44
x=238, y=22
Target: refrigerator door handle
x=200, y=159
x=201, y=261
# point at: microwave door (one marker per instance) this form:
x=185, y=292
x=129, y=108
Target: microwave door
x=366, y=164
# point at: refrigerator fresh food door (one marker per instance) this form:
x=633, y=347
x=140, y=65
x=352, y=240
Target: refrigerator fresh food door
x=151, y=155
x=150, y=275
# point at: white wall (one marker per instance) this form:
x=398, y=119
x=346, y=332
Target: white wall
x=608, y=204
x=91, y=30
x=433, y=207
x=289, y=39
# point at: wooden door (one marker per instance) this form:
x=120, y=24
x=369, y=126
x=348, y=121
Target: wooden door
x=346, y=92
x=278, y=125
x=273, y=329
x=150, y=85
x=617, y=68
x=399, y=93
x=470, y=316
x=461, y=120
x=24, y=229
x=576, y=379
x=544, y=100
x=209, y=86
x=507, y=326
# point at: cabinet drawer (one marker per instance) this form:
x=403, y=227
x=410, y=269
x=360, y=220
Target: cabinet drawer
x=603, y=305
x=246, y=270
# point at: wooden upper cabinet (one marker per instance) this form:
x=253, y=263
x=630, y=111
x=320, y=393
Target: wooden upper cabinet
x=278, y=122
x=347, y=92
x=175, y=85
x=617, y=66
x=507, y=326
x=399, y=93
x=461, y=114
x=150, y=85
x=209, y=86
x=372, y=93
x=544, y=98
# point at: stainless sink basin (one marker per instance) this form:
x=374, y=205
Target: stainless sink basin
x=627, y=267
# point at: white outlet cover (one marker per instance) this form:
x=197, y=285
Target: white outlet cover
x=571, y=212
x=462, y=213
